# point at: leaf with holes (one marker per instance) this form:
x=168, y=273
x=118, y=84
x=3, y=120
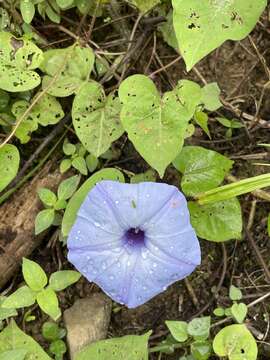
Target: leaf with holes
x=71, y=67
x=78, y=198
x=157, y=126
x=9, y=164
x=218, y=222
x=12, y=338
x=235, y=342
x=47, y=111
x=96, y=119
x=202, y=26
x=202, y=169
x=18, y=59
x=130, y=347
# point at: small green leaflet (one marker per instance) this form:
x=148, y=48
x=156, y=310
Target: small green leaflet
x=64, y=4
x=9, y=164
x=22, y=297
x=149, y=175
x=47, y=111
x=210, y=97
x=96, y=118
x=202, y=169
x=78, y=198
x=144, y=5
x=178, y=329
x=48, y=302
x=235, y=342
x=157, y=126
x=68, y=187
x=239, y=312
x=168, y=32
x=235, y=293
x=202, y=26
x=18, y=59
x=131, y=347
x=218, y=222
x=77, y=64
x=6, y=313
x=34, y=275
x=28, y=10
x=44, y=220
x=199, y=328
x=60, y=280
x=12, y=338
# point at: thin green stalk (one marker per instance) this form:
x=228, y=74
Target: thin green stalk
x=235, y=189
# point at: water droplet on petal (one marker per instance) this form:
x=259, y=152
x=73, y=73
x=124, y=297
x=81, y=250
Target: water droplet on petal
x=144, y=288
x=117, y=202
x=148, y=195
x=144, y=253
x=103, y=266
x=154, y=265
x=111, y=277
x=151, y=271
x=97, y=224
x=164, y=288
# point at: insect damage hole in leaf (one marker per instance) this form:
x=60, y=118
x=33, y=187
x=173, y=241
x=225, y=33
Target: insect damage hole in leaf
x=202, y=26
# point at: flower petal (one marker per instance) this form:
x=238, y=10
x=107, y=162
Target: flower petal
x=132, y=271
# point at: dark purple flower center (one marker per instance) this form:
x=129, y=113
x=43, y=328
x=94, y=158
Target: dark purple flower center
x=134, y=237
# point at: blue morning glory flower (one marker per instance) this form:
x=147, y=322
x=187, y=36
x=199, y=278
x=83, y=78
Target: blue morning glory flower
x=133, y=240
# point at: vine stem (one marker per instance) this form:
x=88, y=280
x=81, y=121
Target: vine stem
x=39, y=97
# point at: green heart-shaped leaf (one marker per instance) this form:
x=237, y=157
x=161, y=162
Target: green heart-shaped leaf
x=202, y=26
x=220, y=221
x=157, y=126
x=96, y=118
x=239, y=312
